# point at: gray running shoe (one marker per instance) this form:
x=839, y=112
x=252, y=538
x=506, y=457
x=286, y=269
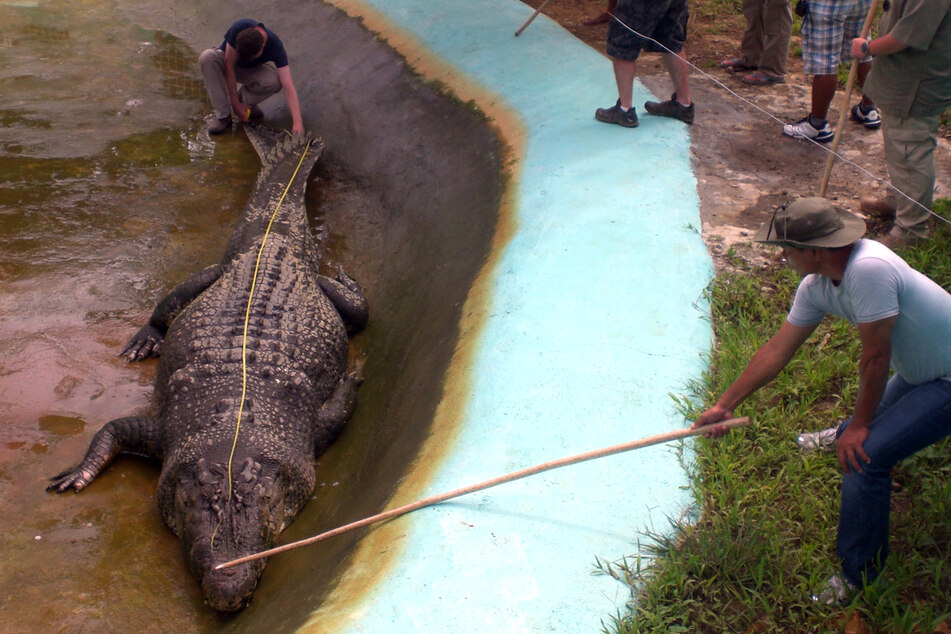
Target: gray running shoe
x=817, y=440
x=616, y=115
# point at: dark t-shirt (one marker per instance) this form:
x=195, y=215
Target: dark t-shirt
x=273, y=47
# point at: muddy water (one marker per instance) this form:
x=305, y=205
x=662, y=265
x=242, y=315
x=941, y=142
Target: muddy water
x=111, y=193
x=107, y=192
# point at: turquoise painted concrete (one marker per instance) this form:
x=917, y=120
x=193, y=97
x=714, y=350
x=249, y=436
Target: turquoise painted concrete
x=597, y=316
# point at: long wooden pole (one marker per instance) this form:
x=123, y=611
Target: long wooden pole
x=532, y=18
x=839, y=130
x=516, y=475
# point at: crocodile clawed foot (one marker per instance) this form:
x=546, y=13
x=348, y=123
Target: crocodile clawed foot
x=145, y=343
x=74, y=479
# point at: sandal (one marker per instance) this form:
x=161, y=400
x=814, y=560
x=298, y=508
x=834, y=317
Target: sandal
x=735, y=63
x=762, y=79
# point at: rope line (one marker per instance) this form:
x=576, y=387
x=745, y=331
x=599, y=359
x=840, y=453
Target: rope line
x=781, y=122
x=247, y=319
x=247, y=314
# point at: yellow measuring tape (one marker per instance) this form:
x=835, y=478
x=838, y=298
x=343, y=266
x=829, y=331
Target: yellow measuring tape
x=247, y=318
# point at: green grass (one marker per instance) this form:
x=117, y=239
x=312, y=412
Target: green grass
x=765, y=537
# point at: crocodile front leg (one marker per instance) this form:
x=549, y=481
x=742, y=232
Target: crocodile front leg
x=148, y=341
x=336, y=411
x=136, y=435
x=347, y=297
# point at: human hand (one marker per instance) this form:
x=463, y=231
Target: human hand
x=242, y=111
x=857, y=48
x=712, y=416
x=849, y=448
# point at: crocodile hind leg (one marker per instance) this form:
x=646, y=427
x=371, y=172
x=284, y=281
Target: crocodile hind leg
x=347, y=297
x=135, y=435
x=148, y=341
x=336, y=411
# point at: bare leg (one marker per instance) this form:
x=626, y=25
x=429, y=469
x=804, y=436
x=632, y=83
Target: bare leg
x=861, y=72
x=602, y=17
x=624, y=76
x=678, y=70
x=823, y=90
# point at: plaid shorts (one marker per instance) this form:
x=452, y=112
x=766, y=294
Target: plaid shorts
x=827, y=33
x=662, y=20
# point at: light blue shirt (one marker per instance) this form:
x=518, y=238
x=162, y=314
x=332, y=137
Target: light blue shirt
x=878, y=284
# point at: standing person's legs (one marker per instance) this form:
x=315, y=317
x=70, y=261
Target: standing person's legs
x=679, y=72
x=776, y=30
x=751, y=45
x=910, y=145
x=670, y=34
x=624, y=71
x=909, y=419
x=823, y=90
x=821, y=44
x=212, y=65
x=851, y=29
x=624, y=47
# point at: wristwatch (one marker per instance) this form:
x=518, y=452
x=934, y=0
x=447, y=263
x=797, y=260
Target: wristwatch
x=865, y=48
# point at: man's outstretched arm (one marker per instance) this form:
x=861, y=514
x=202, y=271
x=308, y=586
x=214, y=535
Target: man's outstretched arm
x=768, y=361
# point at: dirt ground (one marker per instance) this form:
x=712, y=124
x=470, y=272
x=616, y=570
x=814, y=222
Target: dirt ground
x=745, y=167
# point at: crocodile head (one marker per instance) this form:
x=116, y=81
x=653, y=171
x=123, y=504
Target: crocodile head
x=215, y=528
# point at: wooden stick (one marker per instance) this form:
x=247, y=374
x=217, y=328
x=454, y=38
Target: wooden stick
x=845, y=109
x=547, y=466
x=531, y=19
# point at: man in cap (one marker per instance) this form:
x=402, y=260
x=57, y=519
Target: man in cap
x=904, y=321
x=251, y=55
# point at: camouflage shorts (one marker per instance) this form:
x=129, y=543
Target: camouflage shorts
x=664, y=21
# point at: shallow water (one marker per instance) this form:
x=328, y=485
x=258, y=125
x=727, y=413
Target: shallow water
x=109, y=191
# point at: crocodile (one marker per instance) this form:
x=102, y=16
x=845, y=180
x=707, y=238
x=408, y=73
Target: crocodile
x=252, y=384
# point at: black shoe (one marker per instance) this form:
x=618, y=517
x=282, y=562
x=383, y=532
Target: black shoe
x=671, y=108
x=616, y=115
x=220, y=125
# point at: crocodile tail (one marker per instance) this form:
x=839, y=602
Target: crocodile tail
x=273, y=146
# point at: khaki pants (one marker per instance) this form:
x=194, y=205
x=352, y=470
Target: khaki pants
x=766, y=40
x=910, y=144
x=257, y=83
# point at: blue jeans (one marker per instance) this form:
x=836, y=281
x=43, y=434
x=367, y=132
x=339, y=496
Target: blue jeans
x=908, y=419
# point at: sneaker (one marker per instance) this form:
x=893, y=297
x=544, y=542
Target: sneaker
x=880, y=207
x=818, y=440
x=835, y=591
x=616, y=115
x=671, y=108
x=804, y=129
x=871, y=119
x=220, y=125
